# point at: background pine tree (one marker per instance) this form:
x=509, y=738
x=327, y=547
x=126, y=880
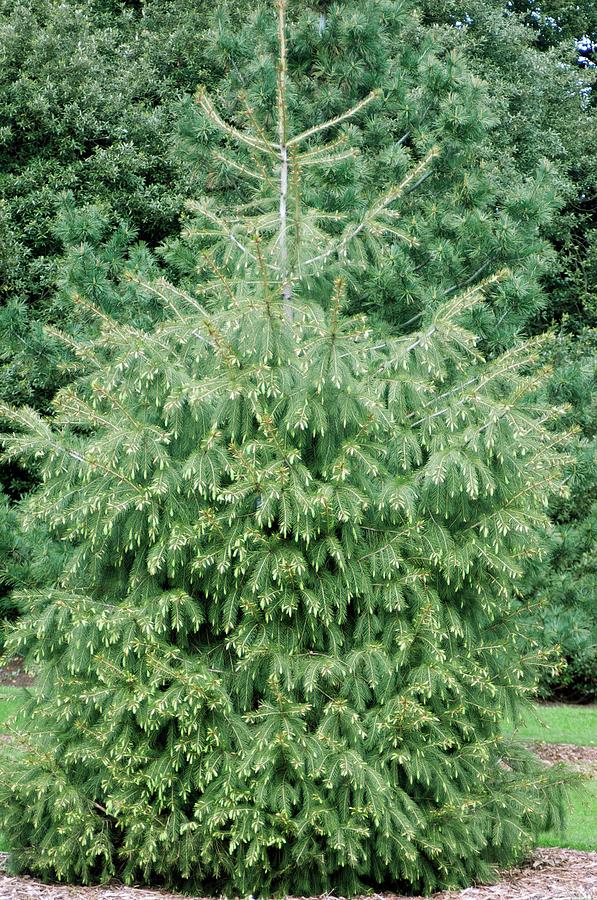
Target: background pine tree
x=471, y=214
x=279, y=655
x=91, y=95
x=565, y=581
x=540, y=63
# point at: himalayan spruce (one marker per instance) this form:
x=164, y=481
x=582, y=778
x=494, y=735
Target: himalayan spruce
x=280, y=652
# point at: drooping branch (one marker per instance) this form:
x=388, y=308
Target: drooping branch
x=206, y=105
x=221, y=225
x=469, y=298
x=238, y=167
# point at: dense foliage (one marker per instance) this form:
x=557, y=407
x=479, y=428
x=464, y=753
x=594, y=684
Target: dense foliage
x=280, y=653
x=26, y=560
x=12, y=558
x=91, y=92
x=469, y=215
x=89, y=98
x=565, y=583
x=543, y=84
x=540, y=61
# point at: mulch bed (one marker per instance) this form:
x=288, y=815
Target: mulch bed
x=550, y=875
x=581, y=759
x=13, y=674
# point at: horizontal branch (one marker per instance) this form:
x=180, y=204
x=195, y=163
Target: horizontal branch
x=222, y=225
x=329, y=160
x=238, y=167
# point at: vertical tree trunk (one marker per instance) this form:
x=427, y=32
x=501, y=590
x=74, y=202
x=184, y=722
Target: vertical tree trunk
x=282, y=133
x=287, y=286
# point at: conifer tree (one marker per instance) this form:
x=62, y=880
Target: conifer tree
x=281, y=650
x=11, y=557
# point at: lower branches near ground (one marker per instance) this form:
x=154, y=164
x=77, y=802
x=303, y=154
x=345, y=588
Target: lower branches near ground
x=565, y=868
x=565, y=733
x=550, y=874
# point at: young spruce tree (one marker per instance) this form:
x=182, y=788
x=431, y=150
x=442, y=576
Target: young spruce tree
x=279, y=655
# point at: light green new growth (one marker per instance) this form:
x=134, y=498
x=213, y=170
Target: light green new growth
x=279, y=656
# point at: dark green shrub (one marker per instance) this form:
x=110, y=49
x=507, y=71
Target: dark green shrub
x=565, y=580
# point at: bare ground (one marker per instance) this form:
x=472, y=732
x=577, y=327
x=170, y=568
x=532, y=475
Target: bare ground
x=549, y=875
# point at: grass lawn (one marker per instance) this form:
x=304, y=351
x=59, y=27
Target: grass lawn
x=559, y=724
x=10, y=700
x=580, y=831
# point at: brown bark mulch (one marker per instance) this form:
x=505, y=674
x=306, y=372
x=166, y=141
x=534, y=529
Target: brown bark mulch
x=581, y=759
x=550, y=875
x=13, y=675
